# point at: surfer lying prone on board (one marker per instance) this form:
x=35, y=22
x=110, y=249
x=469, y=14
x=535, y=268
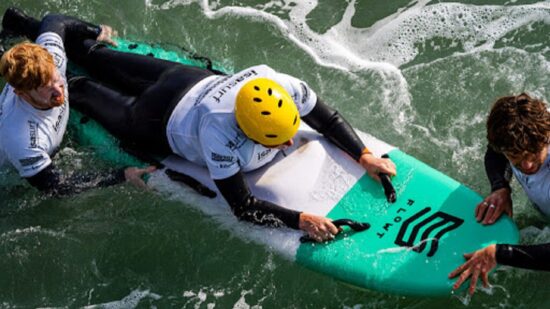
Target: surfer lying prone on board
x=518, y=131
x=229, y=123
x=34, y=106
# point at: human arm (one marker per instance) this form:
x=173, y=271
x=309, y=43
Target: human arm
x=336, y=129
x=500, y=199
x=52, y=182
x=481, y=262
x=247, y=207
x=536, y=257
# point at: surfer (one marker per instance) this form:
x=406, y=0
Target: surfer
x=34, y=106
x=229, y=123
x=518, y=132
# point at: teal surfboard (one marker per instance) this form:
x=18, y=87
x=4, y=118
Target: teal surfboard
x=411, y=245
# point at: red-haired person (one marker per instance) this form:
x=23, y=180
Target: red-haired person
x=34, y=105
x=518, y=131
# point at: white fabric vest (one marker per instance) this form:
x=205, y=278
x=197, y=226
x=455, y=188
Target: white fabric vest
x=203, y=128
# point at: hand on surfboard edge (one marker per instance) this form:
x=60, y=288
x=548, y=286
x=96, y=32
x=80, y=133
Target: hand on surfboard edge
x=318, y=228
x=478, y=264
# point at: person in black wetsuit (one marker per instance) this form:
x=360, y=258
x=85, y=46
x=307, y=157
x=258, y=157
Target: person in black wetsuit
x=518, y=130
x=34, y=105
x=229, y=123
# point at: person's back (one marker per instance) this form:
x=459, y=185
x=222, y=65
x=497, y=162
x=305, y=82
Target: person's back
x=207, y=114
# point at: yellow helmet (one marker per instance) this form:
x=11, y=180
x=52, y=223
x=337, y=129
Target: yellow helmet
x=266, y=112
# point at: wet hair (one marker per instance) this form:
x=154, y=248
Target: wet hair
x=27, y=66
x=518, y=125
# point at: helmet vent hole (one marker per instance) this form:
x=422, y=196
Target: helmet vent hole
x=266, y=113
x=269, y=91
x=280, y=103
x=256, y=88
x=271, y=135
x=257, y=100
x=295, y=119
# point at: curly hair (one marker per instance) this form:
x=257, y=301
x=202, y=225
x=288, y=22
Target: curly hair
x=518, y=125
x=27, y=66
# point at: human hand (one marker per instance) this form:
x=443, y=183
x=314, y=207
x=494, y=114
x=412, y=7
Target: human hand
x=134, y=174
x=374, y=166
x=478, y=263
x=317, y=227
x=106, y=35
x=492, y=207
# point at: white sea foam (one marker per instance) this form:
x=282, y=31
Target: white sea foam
x=392, y=42
x=335, y=49
x=132, y=300
x=16, y=234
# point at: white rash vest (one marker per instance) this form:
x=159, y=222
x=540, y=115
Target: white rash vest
x=203, y=128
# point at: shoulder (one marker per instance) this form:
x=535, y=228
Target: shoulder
x=24, y=153
x=218, y=120
x=222, y=146
x=17, y=133
x=13, y=119
x=19, y=128
x=50, y=39
x=54, y=44
x=219, y=133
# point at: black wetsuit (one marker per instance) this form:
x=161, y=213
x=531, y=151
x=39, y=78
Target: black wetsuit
x=136, y=97
x=535, y=257
x=523, y=256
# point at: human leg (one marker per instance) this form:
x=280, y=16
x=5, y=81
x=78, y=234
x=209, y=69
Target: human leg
x=131, y=73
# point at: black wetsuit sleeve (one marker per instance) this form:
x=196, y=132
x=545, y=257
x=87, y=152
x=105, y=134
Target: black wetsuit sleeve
x=69, y=27
x=496, y=167
x=335, y=128
x=51, y=182
x=247, y=207
x=536, y=257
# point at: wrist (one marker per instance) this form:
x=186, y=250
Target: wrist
x=364, y=152
x=302, y=217
x=366, y=159
x=503, y=190
x=492, y=249
x=503, y=253
x=501, y=185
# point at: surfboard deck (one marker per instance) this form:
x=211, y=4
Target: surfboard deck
x=412, y=244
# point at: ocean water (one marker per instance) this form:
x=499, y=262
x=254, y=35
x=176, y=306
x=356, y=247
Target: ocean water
x=420, y=75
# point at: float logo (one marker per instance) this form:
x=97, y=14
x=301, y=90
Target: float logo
x=437, y=225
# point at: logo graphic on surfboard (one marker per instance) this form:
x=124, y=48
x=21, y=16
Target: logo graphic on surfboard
x=439, y=223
